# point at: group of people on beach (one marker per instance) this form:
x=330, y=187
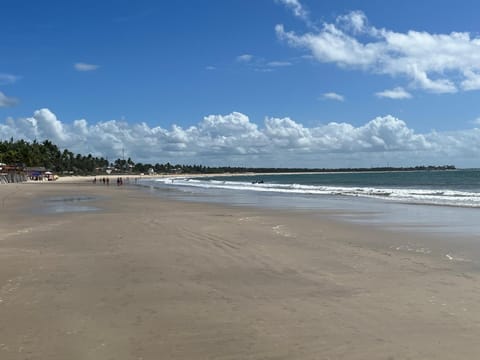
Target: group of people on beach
x=106, y=181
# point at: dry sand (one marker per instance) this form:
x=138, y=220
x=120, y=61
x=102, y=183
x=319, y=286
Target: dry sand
x=146, y=278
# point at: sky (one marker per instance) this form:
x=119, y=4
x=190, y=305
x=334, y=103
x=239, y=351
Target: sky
x=278, y=83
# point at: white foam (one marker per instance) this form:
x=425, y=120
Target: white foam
x=457, y=258
x=406, y=195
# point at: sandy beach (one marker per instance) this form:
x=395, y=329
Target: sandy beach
x=95, y=272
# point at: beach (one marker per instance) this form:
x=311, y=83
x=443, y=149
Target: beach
x=89, y=271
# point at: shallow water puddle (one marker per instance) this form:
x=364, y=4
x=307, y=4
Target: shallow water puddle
x=65, y=204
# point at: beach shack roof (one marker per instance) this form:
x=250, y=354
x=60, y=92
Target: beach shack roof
x=41, y=169
x=35, y=170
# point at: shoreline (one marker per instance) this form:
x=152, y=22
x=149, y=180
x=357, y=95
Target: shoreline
x=144, y=277
x=392, y=214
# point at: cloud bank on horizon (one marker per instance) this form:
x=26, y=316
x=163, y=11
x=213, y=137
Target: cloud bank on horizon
x=234, y=140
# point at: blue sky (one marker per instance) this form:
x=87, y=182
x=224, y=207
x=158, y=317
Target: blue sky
x=267, y=82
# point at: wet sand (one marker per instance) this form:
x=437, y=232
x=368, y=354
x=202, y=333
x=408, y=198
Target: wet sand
x=138, y=277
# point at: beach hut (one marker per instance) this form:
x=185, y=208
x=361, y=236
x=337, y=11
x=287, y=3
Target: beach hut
x=11, y=173
x=36, y=173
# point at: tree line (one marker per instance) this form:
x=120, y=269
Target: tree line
x=22, y=154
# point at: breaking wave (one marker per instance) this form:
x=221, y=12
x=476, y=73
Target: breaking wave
x=444, y=197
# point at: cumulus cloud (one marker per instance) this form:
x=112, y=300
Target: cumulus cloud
x=437, y=63
x=333, y=96
x=471, y=81
x=49, y=127
x=233, y=139
x=355, y=21
x=80, y=66
x=396, y=94
x=42, y=125
x=6, y=101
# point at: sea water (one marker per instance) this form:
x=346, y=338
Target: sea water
x=433, y=201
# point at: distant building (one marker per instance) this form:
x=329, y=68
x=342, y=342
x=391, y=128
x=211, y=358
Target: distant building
x=11, y=173
x=36, y=173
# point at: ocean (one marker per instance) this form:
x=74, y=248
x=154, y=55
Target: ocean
x=446, y=200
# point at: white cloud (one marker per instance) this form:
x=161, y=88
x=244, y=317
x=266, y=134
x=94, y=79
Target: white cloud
x=6, y=101
x=437, y=63
x=49, y=127
x=279, y=63
x=6, y=79
x=85, y=67
x=210, y=67
x=471, y=81
x=333, y=96
x=245, y=58
x=476, y=121
x=297, y=8
x=396, y=93
x=355, y=21
x=259, y=64
x=233, y=139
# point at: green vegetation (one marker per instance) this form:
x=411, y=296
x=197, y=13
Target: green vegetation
x=24, y=154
